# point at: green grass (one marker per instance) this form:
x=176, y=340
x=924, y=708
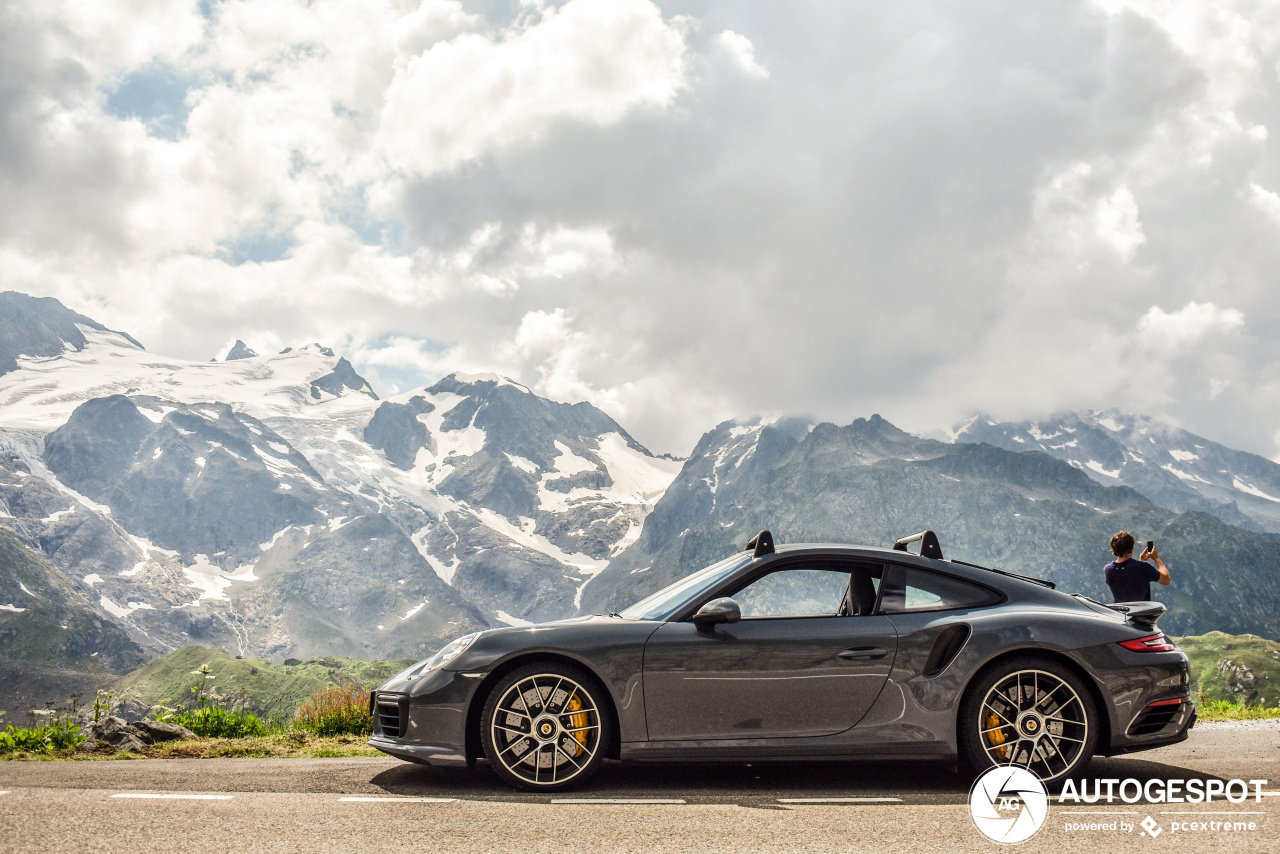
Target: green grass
x=1222, y=710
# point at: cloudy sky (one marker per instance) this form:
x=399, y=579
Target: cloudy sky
x=683, y=211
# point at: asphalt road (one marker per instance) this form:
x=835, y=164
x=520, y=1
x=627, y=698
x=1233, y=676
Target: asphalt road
x=356, y=805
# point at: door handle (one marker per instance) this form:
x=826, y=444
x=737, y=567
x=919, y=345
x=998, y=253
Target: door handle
x=864, y=653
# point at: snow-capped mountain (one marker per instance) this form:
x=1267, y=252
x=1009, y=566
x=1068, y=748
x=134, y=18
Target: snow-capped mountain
x=1170, y=466
x=273, y=504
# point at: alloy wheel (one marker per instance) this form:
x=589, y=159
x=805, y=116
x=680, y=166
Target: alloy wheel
x=545, y=729
x=1035, y=720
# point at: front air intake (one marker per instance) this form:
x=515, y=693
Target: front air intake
x=392, y=714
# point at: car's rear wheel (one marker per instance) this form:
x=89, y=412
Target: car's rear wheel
x=1030, y=712
x=543, y=727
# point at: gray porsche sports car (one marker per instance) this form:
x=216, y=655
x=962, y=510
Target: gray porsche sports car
x=803, y=652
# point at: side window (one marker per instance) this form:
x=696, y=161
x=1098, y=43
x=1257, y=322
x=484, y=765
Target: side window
x=800, y=592
x=920, y=590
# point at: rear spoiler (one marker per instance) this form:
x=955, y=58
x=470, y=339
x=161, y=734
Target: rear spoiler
x=1143, y=615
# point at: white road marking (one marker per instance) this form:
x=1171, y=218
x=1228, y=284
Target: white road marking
x=4, y=793
x=399, y=800
x=617, y=801
x=176, y=797
x=1271, y=794
x=839, y=800
x=1097, y=812
x=1216, y=812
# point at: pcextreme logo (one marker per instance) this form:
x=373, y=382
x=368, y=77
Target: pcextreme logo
x=1008, y=805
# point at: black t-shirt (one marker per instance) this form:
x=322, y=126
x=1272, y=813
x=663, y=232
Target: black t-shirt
x=1130, y=580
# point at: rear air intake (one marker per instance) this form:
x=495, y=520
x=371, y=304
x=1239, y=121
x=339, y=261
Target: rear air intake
x=1156, y=717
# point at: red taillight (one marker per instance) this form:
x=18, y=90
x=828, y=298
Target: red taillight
x=1151, y=643
x=1175, y=701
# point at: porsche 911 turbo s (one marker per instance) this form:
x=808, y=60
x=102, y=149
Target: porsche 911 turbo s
x=803, y=652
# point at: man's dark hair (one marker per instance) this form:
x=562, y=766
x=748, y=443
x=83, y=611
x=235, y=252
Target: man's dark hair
x=1122, y=544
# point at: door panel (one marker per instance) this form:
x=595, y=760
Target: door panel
x=765, y=678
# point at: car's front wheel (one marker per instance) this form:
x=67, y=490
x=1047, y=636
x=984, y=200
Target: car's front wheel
x=1030, y=712
x=543, y=727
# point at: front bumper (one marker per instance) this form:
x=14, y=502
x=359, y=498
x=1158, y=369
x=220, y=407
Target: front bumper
x=427, y=754
x=424, y=720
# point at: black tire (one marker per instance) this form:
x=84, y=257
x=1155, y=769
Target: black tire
x=1031, y=712
x=545, y=727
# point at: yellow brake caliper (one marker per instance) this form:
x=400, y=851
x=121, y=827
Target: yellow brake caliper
x=578, y=722
x=996, y=736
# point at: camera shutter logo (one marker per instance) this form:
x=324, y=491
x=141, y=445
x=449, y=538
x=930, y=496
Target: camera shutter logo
x=1008, y=805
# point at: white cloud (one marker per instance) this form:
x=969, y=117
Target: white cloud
x=1188, y=325
x=1118, y=223
x=743, y=52
x=593, y=61
x=935, y=209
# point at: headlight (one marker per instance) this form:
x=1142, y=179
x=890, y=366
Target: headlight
x=444, y=656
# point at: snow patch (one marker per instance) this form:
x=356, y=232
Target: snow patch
x=1034, y=432
x=415, y=609
x=123, y=610
x=267, y=546
x=1109, y=423
x=14, y=608
x=155, y=414
x=496, y=379
x=92, y=579
x=200, y=461
x=442, y=569
x=53, y=517
x=24, y=589
x=1182, y=475
x=338, y=523
x=1183, y=456
x=510, y=620
x=567, y=463
x=1252, y=490
x=585, y=564
x=1100, y=469
x=521, y=463
x=137, y=567
x=210, y=580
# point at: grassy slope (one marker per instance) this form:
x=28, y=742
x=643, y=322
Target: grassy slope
x=271, y=690
x=1241, y=669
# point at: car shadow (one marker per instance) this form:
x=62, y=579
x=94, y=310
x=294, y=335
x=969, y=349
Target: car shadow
x=747, y=783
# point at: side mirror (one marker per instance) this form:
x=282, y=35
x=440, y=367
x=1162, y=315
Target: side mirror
x=723, y=610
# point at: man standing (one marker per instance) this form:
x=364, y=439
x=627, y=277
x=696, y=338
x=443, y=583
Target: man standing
x=1129, y=579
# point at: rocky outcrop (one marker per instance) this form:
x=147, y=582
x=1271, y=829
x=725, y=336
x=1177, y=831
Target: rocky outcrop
x=131, y=737
x=1239, y=680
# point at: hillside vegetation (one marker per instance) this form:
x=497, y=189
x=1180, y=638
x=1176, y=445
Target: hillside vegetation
x=272, y=691
x=1243, y=669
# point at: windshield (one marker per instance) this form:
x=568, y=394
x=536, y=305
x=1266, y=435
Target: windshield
x=668, y=600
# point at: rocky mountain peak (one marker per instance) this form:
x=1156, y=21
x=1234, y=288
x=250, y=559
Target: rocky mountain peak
x=239, y=351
